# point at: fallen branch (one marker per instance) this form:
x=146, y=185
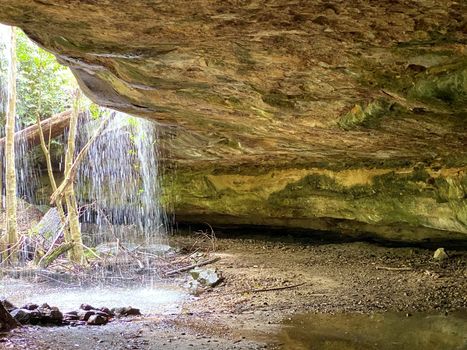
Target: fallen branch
x=272, y=289
x=91, y=251
x=393, y=268
x=190, y=267
x=50, y=257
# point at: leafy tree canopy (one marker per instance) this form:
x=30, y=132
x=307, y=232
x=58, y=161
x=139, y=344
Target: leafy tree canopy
x=44, y=86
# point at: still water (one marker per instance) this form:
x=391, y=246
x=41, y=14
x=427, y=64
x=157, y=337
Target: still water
x=378, y=331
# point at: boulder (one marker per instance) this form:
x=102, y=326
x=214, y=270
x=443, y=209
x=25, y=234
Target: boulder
x=87, y=307
x=6, y=304
x=50, y=315
x=24, y=316
x=7, y=322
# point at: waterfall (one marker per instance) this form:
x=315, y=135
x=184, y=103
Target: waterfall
x=26, y=175
x=27, y=179
x=118, y=185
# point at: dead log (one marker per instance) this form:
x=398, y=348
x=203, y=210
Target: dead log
x=52, y=127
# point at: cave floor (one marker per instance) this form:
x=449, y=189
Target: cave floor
x=243, y=313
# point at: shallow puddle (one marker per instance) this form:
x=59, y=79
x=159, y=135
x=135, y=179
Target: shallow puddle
x=160, y=299
x=379, y=331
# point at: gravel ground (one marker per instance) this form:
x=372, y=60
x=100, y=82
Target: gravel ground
x=268, y=282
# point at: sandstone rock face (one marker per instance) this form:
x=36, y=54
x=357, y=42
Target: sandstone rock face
x=333, y=115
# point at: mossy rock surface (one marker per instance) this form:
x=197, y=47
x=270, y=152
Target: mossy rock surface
x=270, y=111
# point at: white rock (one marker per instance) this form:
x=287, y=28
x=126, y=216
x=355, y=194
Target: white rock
x=440, y=254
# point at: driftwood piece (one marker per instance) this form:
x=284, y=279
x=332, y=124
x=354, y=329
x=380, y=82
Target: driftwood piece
x=52, y=127
x=7, y=322
x=190, y=267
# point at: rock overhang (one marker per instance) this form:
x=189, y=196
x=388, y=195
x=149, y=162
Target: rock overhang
x=256, y=86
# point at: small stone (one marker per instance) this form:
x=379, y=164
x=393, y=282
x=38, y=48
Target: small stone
x=97, y=320
x=440, y=254
x=87, y=307
x=84, y=315
x=106, y=310
x=30, y=306
x=207, y=277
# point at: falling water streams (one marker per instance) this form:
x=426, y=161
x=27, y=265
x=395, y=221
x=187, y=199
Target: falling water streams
x=119, y=183
x=118, y=191
x=26, y=175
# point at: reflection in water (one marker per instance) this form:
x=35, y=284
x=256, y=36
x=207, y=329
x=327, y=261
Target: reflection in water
x=378, y=331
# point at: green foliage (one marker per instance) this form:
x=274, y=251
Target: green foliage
x=3, y=77
x=44, y=86
x=95, y=111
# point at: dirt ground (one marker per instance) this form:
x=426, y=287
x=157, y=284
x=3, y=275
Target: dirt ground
x=268, y=282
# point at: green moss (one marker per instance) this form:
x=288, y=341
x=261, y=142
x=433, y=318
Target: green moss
x=368, y=116
x=439, y=84
x=386, y=186
x=410, y=199
x=446, y=88
x=449, y=190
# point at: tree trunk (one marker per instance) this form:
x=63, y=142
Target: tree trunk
x=76, y=253
x=10, y=181
x=53, y=183
x=73, y=169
